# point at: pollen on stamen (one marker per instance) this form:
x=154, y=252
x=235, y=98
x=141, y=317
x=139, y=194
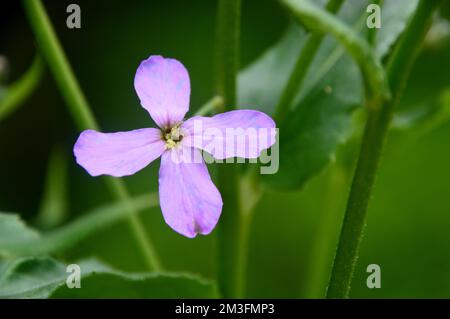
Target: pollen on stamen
x=172, y=136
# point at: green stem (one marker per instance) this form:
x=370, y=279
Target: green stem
x=250, y=195
x=19, y=91
x=79, y=108
x=326, y=233
x=213, y=105
x=379, y=118
x=301, y=67
x=227, y=62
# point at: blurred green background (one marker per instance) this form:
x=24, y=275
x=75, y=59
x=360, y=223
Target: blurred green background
x=408, y=231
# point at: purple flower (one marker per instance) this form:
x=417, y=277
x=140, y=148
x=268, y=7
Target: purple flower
x=189, y=200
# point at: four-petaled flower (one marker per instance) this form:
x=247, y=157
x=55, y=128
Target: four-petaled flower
x=189, y=200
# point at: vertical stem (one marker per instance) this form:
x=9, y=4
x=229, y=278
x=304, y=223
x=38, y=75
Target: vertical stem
x=301, y=67
x=379, y=118
x=227, y=63
x=80, y=111
x=322, y=249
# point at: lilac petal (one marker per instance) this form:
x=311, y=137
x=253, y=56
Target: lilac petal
x=240, y=133
x=190, y=202
x=163, y=86
x=118, y=154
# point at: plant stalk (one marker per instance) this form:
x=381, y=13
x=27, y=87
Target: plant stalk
x=226, y=68
x=379, y=118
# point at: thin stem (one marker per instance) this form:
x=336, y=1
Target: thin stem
x=301, y=67
x=151, y=258
x=227, y=62
x=379, y=118
x=251, y=193
x=213, y=105
x=325, y=236
x=19, y=91
x=53, y=52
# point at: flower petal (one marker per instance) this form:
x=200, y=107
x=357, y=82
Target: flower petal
x=240, y=133
x=118, y=154
x=164, y=89
x=190, y=202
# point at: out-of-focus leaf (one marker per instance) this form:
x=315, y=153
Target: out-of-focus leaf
x=439, y=34
x=394, y=16
x=39, y=277
x=53, y=209
x=45, y=277
x=260, y=84
x=315, y=128
x=426, y=117
x=120, y=285
x=321, y=115
x=13, y=230
x=16, y=239
x=15, y=94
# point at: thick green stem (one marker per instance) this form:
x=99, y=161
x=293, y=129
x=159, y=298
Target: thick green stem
x=53, y=52
x=301, y=68
x=377, y=126
x=227, y=63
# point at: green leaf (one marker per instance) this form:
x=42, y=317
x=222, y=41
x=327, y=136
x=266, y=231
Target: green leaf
x=45, y=277
x=319, y=121
x=320, y=20
x=14, y=231
x=13, y=96
x=38, y=277
x=261, y=83
x=315, y=128
x=394, y=16
x=425, y=117
x=119, y=285
x=16, y=239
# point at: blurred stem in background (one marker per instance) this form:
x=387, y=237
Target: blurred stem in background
x=82, y=114
x=212, y=106
x=16, y=93
x=326, y=233
x=230, y=226
x=379, y=118
x=301, y=67
x=317, y=267
x=53, y=206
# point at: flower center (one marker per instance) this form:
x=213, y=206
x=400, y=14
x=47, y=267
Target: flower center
x=172, y=136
